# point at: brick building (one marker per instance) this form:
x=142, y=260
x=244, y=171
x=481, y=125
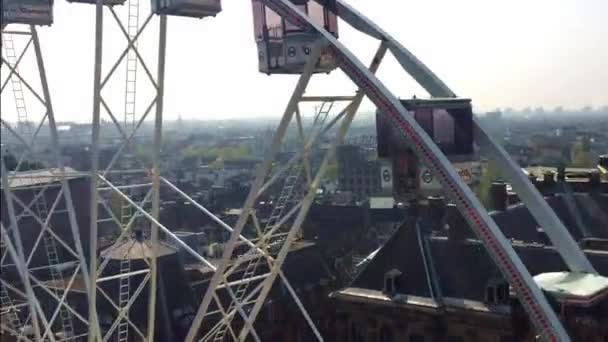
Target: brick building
x=356, y=172
x=434, y=281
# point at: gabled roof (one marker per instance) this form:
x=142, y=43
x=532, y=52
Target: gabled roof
x=463, y=267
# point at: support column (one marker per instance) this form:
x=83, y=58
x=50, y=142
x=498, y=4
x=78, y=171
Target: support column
x=158, y=127
x=263, y=170
x=94, y=333
x=19, y=256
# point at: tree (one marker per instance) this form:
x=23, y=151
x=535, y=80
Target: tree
x=490, y=175
x=581, y=156
x=11, y=163
x=331, y=173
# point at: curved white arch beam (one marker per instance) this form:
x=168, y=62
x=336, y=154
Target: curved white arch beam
x=540, y=312
x=560, y=237
x=418, y=70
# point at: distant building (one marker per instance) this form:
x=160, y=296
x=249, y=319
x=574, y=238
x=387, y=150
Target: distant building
x=550, y=150
x=356, y=172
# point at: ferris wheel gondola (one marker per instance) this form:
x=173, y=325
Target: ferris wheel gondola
x=187, y=8
x=284, y=47
x=29, y=12
x=180, y=8
x=292, y=38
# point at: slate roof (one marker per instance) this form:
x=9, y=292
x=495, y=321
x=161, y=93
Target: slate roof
x=517, y=222
x=463, y=268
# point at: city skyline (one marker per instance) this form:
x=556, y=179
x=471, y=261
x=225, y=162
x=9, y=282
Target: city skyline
x=525, y=55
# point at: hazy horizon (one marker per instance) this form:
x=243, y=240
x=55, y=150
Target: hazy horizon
x=517, y=54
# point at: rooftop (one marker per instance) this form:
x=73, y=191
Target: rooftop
x=23, y=179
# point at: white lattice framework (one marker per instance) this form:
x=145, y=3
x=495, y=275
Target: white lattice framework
x=35, y=304
x=237, y=291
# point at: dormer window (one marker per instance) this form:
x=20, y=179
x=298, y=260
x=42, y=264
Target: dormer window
x=497, y=292
x=490, y=294
x=391, y=282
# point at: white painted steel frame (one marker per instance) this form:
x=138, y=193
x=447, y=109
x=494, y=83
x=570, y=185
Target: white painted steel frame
x=99, y=183
x=540, y=312
x=307, y=202
x=19, y=259
x=263, y=170
x=557, y=232
x=275, y=265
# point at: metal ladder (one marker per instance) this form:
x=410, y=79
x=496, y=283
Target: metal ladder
x=292, y=181
x=23, y=124
x=289, y=195
x=131, y=78
x=124, y=295
x=53, y=261
x=126, y=212
x=321, y=115
x=286, y=198
x=8, y=309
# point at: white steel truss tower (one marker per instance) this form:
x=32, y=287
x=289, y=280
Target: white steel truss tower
x=37, y=194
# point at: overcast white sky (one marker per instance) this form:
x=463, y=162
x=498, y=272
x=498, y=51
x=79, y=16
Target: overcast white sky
x=499, y=53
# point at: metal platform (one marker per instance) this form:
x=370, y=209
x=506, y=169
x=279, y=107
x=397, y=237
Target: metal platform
x=29, y=12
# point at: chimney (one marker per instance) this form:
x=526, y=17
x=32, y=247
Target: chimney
x=594, y=179
x=542, y=236
x=549, y=178
x=498, y=196
x=603, y=161
x=561, y=174
x=458, y=226
x=435, y=213
x=392, y=284
x=512, y=198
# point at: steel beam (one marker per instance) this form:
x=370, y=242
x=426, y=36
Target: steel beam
x=253, y=194
x=559, y=235
x=158, y=127
x=310, y=196
x=94, y=331
x=531, y=297
x=17, y=253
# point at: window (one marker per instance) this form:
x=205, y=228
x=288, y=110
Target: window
x=497, y=291
x=490, y=298
x=386, y=334
x=357, y=332
x=416, y=338
x=424, y=117
x=258, y=20
x=443, y=127
x=455, y=339
x=289, y=26
x=388, y=285
x=274, y=24
x=502, y=293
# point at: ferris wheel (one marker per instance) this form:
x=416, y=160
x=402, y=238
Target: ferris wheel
x=297, y=37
